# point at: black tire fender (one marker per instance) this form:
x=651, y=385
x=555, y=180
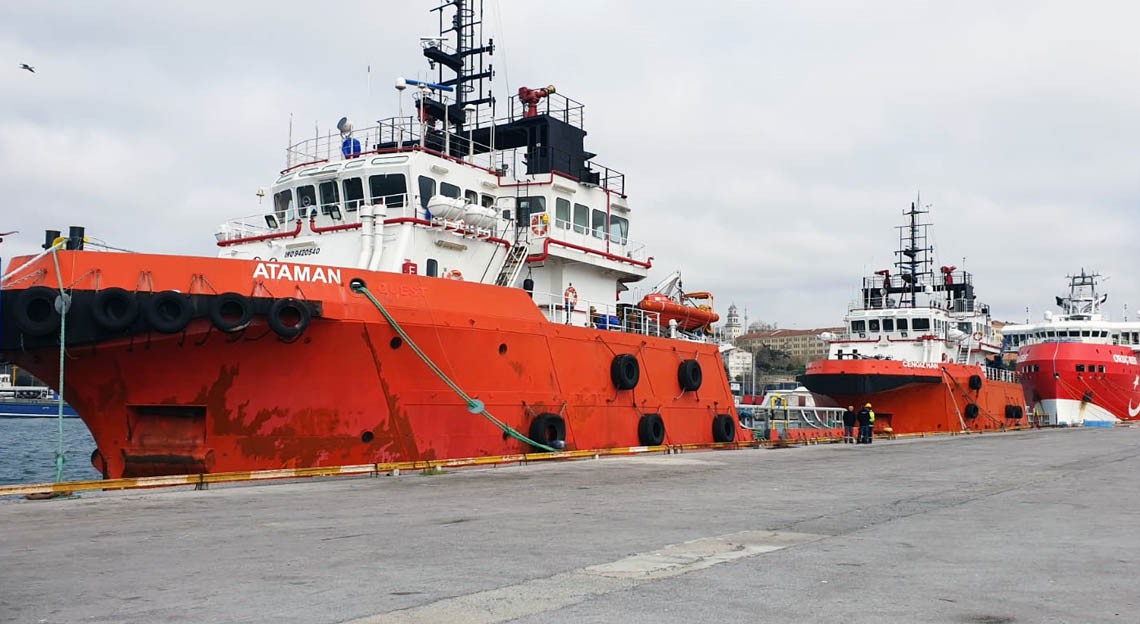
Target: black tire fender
x=625, y=371
x=35, y=311
x=975, y=382
x=651, y=430
x=115, y=309
x=281, y=309
x=168, y=312
x=548, y=430
x=724, y=428
x=971, y=410
x=231, y=312
x=690, y=375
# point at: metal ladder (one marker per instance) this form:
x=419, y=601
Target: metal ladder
x=963, y=355
x=512, y=266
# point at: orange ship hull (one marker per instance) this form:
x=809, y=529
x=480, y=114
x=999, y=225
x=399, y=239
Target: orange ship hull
x=911, y=398
x=348, y=389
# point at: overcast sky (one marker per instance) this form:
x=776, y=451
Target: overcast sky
x=769, y=147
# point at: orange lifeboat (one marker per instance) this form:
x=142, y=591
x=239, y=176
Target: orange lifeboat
x=690, y=314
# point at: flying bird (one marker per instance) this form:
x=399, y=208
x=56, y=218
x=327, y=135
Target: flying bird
x=27, y=67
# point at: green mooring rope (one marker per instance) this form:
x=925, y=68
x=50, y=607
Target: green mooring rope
x=475, y=406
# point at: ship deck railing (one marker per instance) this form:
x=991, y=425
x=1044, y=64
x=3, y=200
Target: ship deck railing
x=767, y=418
x=407, y=206
x=560, y=309
x=1001, y=374
x=407, y=134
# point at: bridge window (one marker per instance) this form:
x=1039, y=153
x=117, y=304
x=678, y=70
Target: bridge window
x=619, y=230
x=901, y=324
x=427, y=190
x=858, y=326
x=330, y=197
x=390, y=189
x=450, y=190
x=306, y=197
x=562, y=213
x=921, y=324
x=353, y=193
x=598, y=224
x=581, y=218
x=283, y=205
x=873, y=324
x=888, y=325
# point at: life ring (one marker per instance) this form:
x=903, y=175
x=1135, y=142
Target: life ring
x=651, y=430
x=231, y=312
x=539, y=224
x=548, y=430
x=689, y=375
x=289, y=317
x=570, y=296
x=168, y=312
x=723, y=428
x=115, y=309
x=35, y=311
x=625, y=371
x=977, y=336
x=454, y=274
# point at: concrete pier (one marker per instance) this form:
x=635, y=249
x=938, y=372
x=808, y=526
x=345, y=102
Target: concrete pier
x=1037, y=526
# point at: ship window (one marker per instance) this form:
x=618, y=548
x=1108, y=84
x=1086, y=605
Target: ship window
x=450, y=190
x=598, y=224
x=581, y=218
x=562, y=213
x=1100, y=368
x=283, y=204
x=527, y=206
x=888, y=325
x=432, y=267
x=921, y=324
x=1080, y=368
x=306, y=196
x=353, y=193
x=1036, y=368
x=1086, y=333
x=488, y=201
x=390, y=189
x=471, y=197
x=330, y=196
x=901, y=324
x=873, y=325
x=427, y=190
x=1050, y=334
x=858, y=326
x=619, y=229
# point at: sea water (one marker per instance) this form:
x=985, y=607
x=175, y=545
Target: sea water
x=28, y=447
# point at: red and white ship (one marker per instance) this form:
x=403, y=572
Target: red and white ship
x=441, y=286
x=1078, y=367
x=920, y=348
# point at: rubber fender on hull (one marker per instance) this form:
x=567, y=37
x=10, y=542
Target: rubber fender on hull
x=548, y=430
x=1014, y=412
x=971, y=410
x=689, y=375
x=651, y=430
x=975, y=382
x=115, y=309
x=231, y=312
x=168, y=312
x=288, y=317
x=724, y=428
x=1087, y=397
x=35, y=311
x=625, y=371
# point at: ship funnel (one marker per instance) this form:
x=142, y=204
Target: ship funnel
x=50, y=237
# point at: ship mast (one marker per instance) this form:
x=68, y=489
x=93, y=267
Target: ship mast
x=468, y=62
x=913, y=255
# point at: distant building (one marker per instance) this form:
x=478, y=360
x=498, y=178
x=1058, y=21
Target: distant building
x=802, y=345
x=732, y=326
x=738, y=362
